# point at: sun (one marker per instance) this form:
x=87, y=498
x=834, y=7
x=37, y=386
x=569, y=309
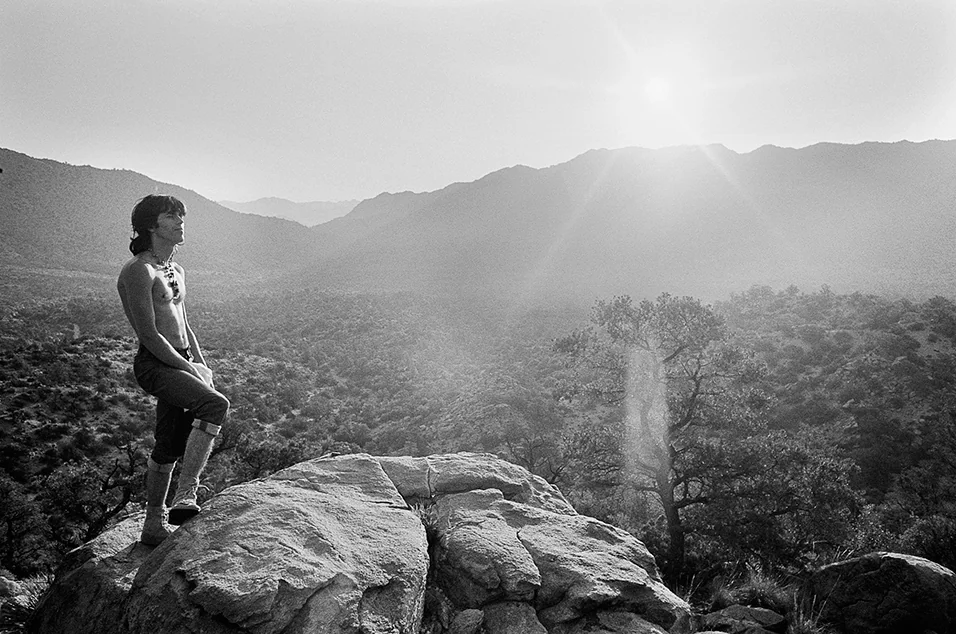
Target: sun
x=658, y=102
x=658, y=90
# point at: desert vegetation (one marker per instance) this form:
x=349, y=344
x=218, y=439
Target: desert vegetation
x=764, y=434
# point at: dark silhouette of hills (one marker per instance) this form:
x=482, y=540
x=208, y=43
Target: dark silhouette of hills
x=308, y=213
x=59, y=216
x=707, y=221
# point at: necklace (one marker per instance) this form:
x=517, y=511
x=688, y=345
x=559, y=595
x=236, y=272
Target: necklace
x=168, y=272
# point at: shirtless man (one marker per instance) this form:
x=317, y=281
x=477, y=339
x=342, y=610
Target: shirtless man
x=169, y=364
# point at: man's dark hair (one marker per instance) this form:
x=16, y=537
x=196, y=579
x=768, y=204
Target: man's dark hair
x=144, y=218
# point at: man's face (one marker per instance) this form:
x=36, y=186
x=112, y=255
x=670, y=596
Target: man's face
x=170, y=227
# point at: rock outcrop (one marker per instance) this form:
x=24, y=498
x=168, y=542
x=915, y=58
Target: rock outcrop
x=93, y=582
x=883, y=593
x=741, y=619
x=454, y=543
x=324, y=546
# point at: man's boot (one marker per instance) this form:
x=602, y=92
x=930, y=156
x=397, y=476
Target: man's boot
x=157, y=486
x=198, y=448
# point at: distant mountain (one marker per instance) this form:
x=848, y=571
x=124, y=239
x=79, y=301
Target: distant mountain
x=59, y=216
x=308, y=214
x=375, y=216
x=707, y=221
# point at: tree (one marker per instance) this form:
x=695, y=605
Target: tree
x=81, y=498
x=24, y=547
x=529, y=426
x=793, y=498
x=687, y=396
x=508, y=411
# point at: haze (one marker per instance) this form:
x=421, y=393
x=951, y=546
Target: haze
x=310, y=100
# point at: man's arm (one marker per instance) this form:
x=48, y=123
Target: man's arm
x=204, y=370
x=193, y=342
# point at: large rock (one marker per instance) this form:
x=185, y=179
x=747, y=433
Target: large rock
x=883, y=593
x=512, y=617
x=568, y=567
x=324, y=546
x=427, y=478
x=93, y=582
x=609, y=622
x=742, y=619
x=332, y=546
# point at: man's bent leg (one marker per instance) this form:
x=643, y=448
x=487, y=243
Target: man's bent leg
x=198, y=448
x=158, y=477
x=173, y=425
x=210, y=408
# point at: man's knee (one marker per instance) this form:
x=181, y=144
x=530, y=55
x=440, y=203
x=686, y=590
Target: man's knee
x=213, y=408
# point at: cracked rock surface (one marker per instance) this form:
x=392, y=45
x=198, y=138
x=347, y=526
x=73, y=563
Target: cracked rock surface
x=567, y=567
x=323, y=546
x=332, y=546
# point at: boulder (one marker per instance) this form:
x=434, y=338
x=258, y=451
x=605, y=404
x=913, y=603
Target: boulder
x=567, y=566
x=323, y=546
x=609, y=622
x=331, y=546
x=467, y=622
x=479, y=558
x=419, y=479
x=92, y=583
x=886, y=592
x=742, y=619
x=512, y=617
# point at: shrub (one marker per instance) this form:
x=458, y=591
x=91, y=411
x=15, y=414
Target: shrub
x=764, y=591
x=756, y=589
x=870, y=532
x=721, y=597
x=932, y=537
x=805, y=619
x=427, y=513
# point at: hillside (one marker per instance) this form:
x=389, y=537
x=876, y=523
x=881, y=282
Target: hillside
x=705, y=221
x=59, y=216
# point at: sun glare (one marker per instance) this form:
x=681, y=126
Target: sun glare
x=657, y=90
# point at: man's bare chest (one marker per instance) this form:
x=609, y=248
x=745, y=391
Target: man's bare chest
x=168, y=287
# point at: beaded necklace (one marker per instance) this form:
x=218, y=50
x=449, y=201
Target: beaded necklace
x=168, y=272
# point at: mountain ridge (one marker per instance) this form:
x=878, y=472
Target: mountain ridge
x=701, y=220
x=714, y=221
x=309, y=214
x=57, y=215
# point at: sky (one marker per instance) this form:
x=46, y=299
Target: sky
x=313, y=100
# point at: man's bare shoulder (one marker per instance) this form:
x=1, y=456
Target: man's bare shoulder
x=135, y=270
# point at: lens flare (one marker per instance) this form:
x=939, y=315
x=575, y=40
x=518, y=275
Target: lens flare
x=646, y=413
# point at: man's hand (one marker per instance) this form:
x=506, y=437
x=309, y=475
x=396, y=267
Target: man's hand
x=204, y=373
